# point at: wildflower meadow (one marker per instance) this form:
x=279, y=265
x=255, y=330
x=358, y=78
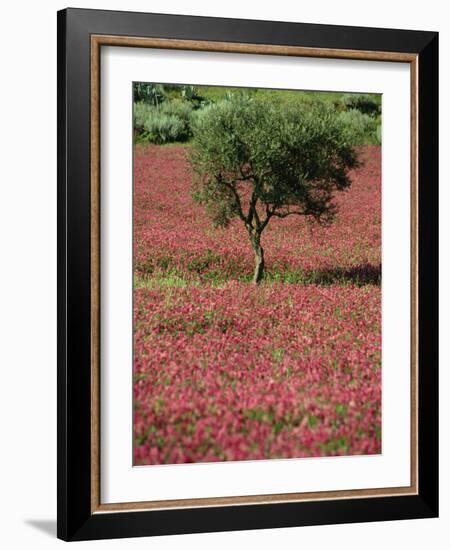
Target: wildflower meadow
x=229, y=367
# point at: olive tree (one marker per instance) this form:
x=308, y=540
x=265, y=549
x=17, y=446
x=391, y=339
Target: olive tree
x=256, y=160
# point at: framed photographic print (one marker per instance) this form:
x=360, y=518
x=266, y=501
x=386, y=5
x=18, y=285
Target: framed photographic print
x=247, y=254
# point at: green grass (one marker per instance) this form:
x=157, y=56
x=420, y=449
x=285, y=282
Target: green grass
x=162, y=278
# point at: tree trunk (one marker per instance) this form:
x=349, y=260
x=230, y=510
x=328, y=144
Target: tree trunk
x=259, y=258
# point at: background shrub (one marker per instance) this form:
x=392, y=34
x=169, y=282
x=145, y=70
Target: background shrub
x=152, y=94
x=191, y=94
x=162, y=128
x=359, y=128
x=167, y=123
x=178, y=109
x=366, y=104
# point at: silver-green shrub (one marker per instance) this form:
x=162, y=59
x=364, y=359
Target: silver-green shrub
x=167, y=123
x=359, y=128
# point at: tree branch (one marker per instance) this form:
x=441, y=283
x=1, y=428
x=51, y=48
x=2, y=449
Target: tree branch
x=252, y=212
x=237, y=199
x=269, y=214
x=245, y=177
x=289, y=213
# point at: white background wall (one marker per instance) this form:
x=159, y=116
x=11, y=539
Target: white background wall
x=28, y=272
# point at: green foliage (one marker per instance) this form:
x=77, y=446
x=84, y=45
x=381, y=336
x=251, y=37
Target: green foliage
x=161, y=128
x=365, y=103
x=360, y=128
x=168, y=123
x=140, y=113
x=284, y=159
x=191, y=94
x=379, y=134
x=152, y=94
x=178, y=108
x=187, y=102
x=182, y=111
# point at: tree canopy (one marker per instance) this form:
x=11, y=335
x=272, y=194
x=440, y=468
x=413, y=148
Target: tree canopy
x=255, y=160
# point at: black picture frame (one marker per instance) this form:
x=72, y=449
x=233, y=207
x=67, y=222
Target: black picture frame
x=76, y=521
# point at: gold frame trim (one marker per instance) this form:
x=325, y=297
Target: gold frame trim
x=108, y=40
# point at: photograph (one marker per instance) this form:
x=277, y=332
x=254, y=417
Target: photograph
x=257, y=273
